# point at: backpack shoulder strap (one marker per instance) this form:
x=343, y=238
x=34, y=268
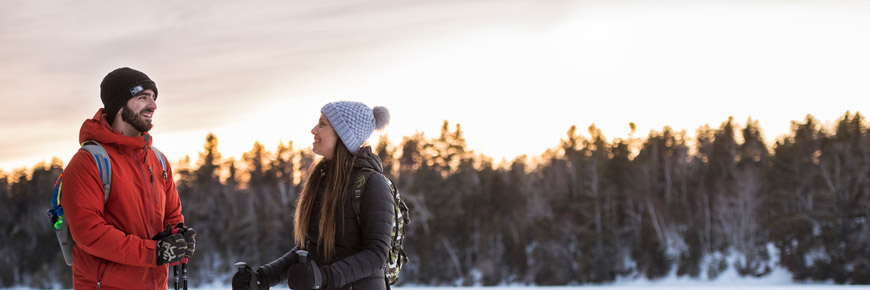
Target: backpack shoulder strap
x=101, y=157
x=161, y=159
x=359, y=187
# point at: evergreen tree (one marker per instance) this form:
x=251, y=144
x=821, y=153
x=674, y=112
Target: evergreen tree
x=791, y=200
x=588, y=210
x=747, y=236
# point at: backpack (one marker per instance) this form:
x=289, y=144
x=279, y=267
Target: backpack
x=401, y=219
x=55, y=213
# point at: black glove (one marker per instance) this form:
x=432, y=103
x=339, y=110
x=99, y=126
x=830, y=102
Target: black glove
x=170, y=248
x=246, y=279
x=189, y=237
x=276, y=271
x=305, y=276
x=165, y=233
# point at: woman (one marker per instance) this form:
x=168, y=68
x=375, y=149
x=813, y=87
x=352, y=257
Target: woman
x=343, y=251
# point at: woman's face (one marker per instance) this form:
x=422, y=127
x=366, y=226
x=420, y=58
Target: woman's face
x=324, y=138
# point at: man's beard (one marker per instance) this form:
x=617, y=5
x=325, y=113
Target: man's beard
x=135, y=119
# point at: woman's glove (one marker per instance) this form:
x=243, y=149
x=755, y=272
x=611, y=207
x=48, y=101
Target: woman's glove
x=305, y=275
x=247, y=279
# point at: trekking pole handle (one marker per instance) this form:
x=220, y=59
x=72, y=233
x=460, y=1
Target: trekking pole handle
x=255, y=284
x=303, y=256
x=177, y=231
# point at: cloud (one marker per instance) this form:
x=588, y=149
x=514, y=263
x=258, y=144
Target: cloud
x=237, y=67
x=210, y=59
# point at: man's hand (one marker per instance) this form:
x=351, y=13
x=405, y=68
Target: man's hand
x=189, y=237
x=171, y=247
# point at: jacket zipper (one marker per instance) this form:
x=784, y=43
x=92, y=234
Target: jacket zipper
x=150, y=206
x=156, y=203
x=153, y=184
x=100, y=274
x=154, y=187
x=151, y=173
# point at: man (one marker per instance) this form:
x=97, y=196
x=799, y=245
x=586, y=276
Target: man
x=120, y=242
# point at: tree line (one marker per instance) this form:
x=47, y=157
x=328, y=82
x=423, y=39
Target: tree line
x=589, y=210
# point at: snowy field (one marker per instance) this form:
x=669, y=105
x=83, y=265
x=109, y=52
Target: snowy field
x=741, y=285
x=779, y=279
x=710, y=286
x=729, y=280
x=638, y=287
x=706, y=286
x=767, y=284
x=772, y=282
x=630, y=286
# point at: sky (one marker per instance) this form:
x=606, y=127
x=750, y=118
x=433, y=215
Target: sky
x=516, y=74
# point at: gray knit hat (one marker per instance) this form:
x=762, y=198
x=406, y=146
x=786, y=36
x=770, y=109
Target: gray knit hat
x=354, y=122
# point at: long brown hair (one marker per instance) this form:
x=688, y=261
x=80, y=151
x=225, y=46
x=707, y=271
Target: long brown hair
x=337, y=173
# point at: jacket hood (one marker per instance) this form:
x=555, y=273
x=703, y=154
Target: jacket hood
x=365, y=158
x=98, y=129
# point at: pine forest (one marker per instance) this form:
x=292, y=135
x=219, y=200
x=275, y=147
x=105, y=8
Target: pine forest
x=588, y=210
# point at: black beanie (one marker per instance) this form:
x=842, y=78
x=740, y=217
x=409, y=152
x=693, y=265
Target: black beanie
x=119, y=86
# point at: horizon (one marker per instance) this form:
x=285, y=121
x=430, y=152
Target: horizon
x=689, y=137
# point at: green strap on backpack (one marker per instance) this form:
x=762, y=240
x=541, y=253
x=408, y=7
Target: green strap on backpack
x=401, y=218
x=55, y=213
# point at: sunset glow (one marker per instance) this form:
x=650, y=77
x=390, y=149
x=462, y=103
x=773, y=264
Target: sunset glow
x=516, y=75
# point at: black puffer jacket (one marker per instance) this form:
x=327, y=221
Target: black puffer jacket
x=361, y=247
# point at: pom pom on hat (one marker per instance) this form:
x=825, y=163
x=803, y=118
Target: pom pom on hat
x=382, y=117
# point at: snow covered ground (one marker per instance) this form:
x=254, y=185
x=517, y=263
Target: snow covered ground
x=645, y=285
x=638, y=287
x=770, y=283
x=707, y=286
x=779, y=279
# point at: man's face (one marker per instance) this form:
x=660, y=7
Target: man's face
x=139, y=111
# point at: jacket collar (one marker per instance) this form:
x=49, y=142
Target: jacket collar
x=98, y=129
x=365, y=158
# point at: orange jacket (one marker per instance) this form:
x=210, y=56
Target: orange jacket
x=113, y=247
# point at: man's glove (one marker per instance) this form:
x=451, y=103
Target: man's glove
x=305, y=276
x=170, y=247
x=247, y=279
x=189, y=237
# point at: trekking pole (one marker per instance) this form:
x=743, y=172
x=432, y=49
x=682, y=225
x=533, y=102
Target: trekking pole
x=184, y=273
x=183, y=267
x=303, y=256
x=175, y=274
x=174, y=265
